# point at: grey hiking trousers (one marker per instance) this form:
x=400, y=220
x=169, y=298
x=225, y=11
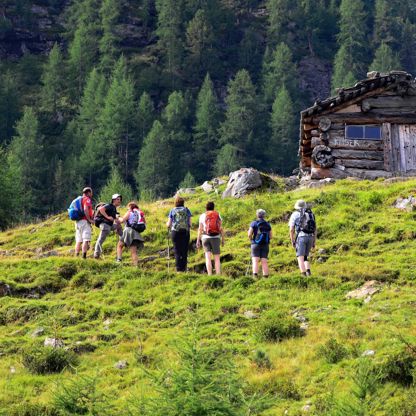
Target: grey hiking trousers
x=105, y=230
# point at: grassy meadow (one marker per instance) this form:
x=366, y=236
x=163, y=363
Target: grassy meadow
x=193, y=344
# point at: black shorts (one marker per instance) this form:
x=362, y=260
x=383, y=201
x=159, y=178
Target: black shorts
x=260, y=250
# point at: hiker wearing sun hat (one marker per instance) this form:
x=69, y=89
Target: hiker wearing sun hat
x=302, y=234
x=110, y=222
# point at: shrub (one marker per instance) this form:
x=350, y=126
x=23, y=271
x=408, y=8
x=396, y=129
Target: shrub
x=45, y=360
x=81, y=397
x=274, y=327
x=332, y=351
x=67, y=270
x=262, y=360
x=399, y=367
x=31, y=409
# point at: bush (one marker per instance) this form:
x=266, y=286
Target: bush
x=399, y=368
x=262, y=360
x=275, y=327
x=332, y=351
x=29, y=409
x=45, y=360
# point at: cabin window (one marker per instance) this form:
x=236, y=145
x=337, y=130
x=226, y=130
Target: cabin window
x=363, y=132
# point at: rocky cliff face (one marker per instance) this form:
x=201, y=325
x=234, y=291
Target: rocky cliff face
x=30, y=27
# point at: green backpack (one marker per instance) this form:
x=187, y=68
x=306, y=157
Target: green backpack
x=180, y=220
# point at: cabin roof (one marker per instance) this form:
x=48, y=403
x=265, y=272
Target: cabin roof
x=374, y=80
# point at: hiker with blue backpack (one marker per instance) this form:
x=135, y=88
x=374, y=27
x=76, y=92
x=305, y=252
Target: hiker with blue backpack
x=81, y=212
x=260, y=234
x=302, y=234
x=179, y=224
x=131, y=237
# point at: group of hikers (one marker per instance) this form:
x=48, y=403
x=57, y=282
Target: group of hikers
x=302, y=232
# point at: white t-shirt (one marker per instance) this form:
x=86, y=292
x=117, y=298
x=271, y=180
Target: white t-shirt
x=202, y=221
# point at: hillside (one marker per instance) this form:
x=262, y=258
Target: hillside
x=349, y=357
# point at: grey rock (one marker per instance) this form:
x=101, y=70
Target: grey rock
x=207, y=187
x=321, y=260
x=368, y=353
x=218, y=182
x=53, y=342
x=322, y=251
x=250, y=315
x=405, y=204
x=12, y=369
x=121, y=365
x=291, y=182
x=241, y=182
x=37, y=332
x=367, y=290
x=186, y=191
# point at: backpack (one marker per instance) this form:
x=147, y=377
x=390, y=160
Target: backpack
x=98, y=217
x=212, y=223
x=306, y=222
x=263, y=232
x=180, y=220
x=75, y=211
x=139, y=223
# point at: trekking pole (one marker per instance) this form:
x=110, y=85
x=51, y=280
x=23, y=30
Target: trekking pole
x=168, y=252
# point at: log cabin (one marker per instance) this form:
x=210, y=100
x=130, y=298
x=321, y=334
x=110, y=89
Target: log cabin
x=366, y=131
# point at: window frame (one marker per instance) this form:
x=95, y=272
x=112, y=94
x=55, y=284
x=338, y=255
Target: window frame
x=364, y=127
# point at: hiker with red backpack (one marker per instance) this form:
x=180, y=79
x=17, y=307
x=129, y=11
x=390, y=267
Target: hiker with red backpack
x=302, y=234
x=211, y=233
x=260, y=234
x=179, y=224
x=131, y=237
x=82, y=213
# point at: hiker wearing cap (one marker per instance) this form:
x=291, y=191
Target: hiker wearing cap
x=302, y=234
x=179, y=224
x=110, y=222
x=131, y=237
x=211, y=233
x=83, y=229
x=260, y=234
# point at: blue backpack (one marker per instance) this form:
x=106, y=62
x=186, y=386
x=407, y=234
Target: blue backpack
x=75, y=211
x=263, y=232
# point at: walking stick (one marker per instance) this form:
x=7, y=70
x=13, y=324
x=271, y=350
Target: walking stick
x=168, y=252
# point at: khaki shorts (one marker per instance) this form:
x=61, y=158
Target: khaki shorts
x=211, y=245
x=82, y=231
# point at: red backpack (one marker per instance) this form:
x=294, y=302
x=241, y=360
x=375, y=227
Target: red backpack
x=212, y=223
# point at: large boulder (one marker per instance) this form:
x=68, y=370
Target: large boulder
x=241, y=182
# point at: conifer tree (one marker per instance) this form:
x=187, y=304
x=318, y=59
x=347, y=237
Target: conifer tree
x=175, y=124
x=28, y=165
x=238, y=128
x=53, y=84
x=280, y=14
x=200, y=40
x=146, y=117
x=170, y=34
x=229, y=159
x=9, y=196
x=385, y=60
x=116, y=184
x=83, y=50
x=155, y=164
x=9, y=106
x=280, y=71
x=351, y=55
x=386, y=24
x=206, y=130
x=108, y=45
x=283, y=140
x=407, y=50
x=117, y=120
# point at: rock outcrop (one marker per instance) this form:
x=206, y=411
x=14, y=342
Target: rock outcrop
x=241, y=182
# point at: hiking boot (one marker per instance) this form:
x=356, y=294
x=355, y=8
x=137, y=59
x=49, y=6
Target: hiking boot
x=308, y=272
x=266, y=276
x=118, y=261
x=255, y=275
x=84, y=255
x=96, y=256
x=304, y=274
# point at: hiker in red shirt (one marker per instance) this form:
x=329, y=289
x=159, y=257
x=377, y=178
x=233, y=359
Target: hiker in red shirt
x=83, y=226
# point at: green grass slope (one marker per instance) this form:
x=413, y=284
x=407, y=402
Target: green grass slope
x=105, y=313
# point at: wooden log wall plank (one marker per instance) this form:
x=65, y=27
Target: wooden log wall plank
x=366, y=118
x=368, y=174
x=386, y=102
x=338, y=141
x=361, y=163
x=388, y=155
x=358, y=154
